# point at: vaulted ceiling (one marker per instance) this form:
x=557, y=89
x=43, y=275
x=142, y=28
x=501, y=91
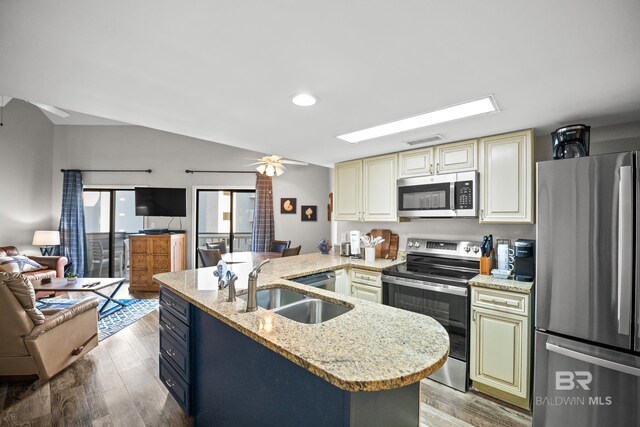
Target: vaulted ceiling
x=225, y=71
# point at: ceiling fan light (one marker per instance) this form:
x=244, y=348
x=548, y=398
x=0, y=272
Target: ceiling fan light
x=279, y=171
x=261, y=169
x=270, y=170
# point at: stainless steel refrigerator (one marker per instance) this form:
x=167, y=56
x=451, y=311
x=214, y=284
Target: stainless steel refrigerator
x=587, y=339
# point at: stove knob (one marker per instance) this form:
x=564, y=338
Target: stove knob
x=467, y=248
x=410, y=244
x=475, y=249
x=417, y=245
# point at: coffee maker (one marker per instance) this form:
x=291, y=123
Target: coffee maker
x=524, y=251
x=571, y=141
x=354, y=240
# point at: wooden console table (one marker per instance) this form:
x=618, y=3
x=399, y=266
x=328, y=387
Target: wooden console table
x=151, y=254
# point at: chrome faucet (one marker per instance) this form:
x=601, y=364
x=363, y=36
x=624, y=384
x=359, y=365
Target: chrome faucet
x=252, y=292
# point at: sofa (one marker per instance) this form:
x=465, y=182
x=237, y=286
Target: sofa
x=41, y=343
x=55, y=265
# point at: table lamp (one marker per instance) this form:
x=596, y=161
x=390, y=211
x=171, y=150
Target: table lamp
x=46, y=240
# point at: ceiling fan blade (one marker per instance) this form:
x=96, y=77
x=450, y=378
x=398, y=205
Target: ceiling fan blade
x=257, y=163
x=51, y=109
x=294, y=162
x=4, y=100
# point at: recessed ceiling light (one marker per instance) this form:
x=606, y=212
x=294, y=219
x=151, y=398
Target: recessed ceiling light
x=447, y=114
x=304, y=100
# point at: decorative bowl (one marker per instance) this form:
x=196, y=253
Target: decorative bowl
x=501, y=274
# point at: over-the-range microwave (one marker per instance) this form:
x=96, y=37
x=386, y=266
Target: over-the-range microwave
x=451, y=195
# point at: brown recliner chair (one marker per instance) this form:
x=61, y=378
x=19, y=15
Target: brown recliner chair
x=41, y=343
x=55, y=264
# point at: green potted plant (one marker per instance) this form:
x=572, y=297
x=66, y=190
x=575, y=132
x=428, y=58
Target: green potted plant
x=72, y=277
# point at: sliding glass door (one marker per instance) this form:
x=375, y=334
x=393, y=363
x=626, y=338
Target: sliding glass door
x=225, y=215
x=109, y=218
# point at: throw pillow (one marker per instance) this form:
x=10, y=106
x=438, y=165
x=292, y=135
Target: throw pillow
x=22, y=289
x=19, y=264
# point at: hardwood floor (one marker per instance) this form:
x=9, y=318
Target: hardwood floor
x=117, y=384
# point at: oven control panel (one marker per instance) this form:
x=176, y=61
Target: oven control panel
x=451, y=248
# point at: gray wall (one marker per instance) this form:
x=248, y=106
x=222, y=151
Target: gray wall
x=609, y=139
x=26, y=149
x=168, y=155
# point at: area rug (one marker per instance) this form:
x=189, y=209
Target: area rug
x=107, y=326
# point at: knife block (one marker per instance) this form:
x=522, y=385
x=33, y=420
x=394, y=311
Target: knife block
x=486, y=264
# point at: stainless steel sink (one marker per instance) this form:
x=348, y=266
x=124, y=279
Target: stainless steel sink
x=275, y=297
x=311, y=310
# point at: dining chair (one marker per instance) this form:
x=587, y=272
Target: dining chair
x=209, y=257
x=98, y=256
x=220, y=245
x=279, y=245
x=291, y=251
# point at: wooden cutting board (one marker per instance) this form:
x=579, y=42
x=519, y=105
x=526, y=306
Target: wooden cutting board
x=382, y=250
x=393, y=246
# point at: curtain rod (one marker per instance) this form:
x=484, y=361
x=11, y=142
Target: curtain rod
x=196, y=171
x=108, y=170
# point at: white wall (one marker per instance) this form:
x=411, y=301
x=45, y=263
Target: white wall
x=26, y=149
x=168, y=155
x=609, y=139
x=310, y=186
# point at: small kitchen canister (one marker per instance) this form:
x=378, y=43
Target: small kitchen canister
x=370, y=253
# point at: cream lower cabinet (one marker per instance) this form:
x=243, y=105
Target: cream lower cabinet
x=365, y=190
x=500, y=345
x=343, y=282
x=506, y=178
x=366, y=285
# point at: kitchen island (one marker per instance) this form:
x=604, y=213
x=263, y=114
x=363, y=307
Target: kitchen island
x=360, y=368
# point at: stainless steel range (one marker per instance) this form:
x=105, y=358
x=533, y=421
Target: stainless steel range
x=434, y=282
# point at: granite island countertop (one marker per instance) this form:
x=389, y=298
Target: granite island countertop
x=369, y=348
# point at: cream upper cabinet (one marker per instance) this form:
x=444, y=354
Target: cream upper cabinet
x=500, y=344
x=506, y=178
x=379, y=188
x=457, y=157
x=348, y=191
x=415, y=163
x=365, y=190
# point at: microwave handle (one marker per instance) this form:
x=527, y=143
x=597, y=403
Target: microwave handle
x=452, y=196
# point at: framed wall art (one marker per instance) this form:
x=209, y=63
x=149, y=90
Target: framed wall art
x=287, y=205
x=309, y=213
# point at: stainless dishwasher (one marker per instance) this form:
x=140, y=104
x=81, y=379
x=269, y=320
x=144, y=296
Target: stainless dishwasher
x=326, y=280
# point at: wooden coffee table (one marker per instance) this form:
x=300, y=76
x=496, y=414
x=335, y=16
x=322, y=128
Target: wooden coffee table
x=88, y=284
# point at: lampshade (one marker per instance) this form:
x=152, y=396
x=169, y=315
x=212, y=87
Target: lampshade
x=46, y=238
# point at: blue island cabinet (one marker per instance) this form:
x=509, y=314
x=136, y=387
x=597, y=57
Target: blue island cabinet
x=236, y=381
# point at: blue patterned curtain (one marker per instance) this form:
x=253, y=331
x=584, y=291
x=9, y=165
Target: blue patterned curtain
x=72, y=227
x=263, y=230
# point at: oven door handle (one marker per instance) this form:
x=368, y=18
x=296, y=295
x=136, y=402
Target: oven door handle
x=429, y=286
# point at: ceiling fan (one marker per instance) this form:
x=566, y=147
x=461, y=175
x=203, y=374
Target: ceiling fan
x=53, y=110
x=274, y=165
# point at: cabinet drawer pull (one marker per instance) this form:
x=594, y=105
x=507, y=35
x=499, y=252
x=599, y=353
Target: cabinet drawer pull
x=169, y=326
x=170, y=383
x=169, y=303
x=500, y=301
x=170, y=352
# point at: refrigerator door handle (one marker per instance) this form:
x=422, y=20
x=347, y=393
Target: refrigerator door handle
x=593, y=360
x=625, y=250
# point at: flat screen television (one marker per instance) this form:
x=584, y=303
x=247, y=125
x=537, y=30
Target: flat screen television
x=153, y=201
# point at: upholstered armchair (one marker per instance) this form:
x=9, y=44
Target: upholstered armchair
x=45, y=342
x=55, y=264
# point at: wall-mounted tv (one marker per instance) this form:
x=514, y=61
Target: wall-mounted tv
x=152, y=201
